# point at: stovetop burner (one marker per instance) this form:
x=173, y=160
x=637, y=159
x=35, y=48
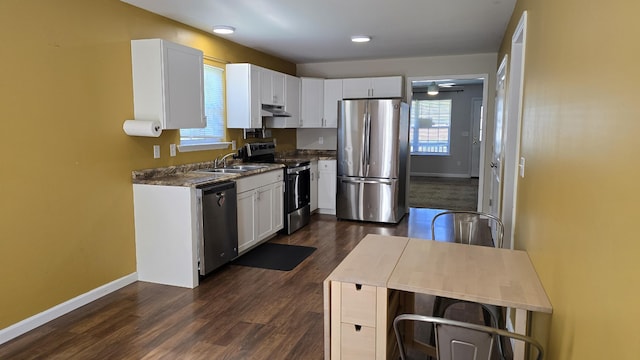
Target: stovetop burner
x=264, y=152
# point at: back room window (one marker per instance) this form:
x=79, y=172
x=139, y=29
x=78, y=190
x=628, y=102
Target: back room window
x=430, y=131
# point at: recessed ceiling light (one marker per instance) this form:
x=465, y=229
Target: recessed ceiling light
x=360, y=38
x=224, y=29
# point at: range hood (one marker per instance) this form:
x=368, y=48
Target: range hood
x=274, y=111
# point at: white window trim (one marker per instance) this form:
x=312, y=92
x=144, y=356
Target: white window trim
x=200, y=147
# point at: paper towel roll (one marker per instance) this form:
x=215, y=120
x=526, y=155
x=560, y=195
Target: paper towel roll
x=150, y=128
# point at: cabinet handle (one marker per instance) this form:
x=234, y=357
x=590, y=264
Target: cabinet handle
x=312, y=176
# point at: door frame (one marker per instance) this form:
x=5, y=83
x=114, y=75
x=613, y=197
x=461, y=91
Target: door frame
x=481, y=136
x=496, y=188
x=514, y=105
x=483, y=151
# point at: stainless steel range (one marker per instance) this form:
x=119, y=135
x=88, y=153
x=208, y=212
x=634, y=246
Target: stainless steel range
x=297, y=190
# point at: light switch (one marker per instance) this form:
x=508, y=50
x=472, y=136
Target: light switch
x=156, y=151
x=521, y=166
x=172, y=150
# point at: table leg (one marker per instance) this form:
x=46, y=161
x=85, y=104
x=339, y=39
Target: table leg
x=520, y=327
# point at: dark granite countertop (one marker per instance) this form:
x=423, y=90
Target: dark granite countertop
x=193, y=175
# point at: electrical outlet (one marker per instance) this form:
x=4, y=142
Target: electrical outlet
x=320, y=140
x=275, y=142
x=156, y=151
x=521, y=165
x=172, y=150
x=233, y=145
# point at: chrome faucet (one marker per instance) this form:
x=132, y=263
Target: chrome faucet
x=222, y=160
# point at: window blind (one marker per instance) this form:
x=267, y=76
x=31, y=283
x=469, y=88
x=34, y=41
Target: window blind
x=213, y=109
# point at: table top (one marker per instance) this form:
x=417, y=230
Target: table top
x=480, y=274
x=371, y=262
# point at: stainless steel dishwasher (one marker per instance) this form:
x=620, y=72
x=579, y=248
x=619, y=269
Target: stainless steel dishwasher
x=219, y=227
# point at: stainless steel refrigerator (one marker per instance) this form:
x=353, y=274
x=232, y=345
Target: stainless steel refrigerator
x=373, y=137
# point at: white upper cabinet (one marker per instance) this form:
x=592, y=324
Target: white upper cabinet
x=376, y=87
x=312, y=102
x=272, y=85
x=168, y=83
x=319, y=102
x=244, y=109
x=291, y=105
x=332, y=94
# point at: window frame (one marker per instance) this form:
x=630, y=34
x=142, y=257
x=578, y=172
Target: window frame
x=412, y=128
x=187, y=143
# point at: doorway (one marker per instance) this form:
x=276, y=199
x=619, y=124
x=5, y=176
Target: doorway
x=446, y=142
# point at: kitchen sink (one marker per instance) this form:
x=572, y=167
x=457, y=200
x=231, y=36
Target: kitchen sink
x=234, y=169
x=246, y=167
x=225, y=170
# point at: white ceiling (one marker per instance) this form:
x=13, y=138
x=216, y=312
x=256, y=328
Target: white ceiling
x=307, y=31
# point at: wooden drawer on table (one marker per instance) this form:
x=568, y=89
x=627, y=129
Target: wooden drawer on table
x=358, y=304
x=358, y=342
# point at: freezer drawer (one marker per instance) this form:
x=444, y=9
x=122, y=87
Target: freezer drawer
x=367, y=199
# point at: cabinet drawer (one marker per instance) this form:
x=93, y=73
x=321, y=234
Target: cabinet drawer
x=358, y=342
x=255, y=181
x=358, y=304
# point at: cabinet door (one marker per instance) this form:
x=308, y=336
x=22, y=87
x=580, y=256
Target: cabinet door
x=168, y=83
x=264, y=208
x=332, y=94
x=292, y=100
x=314, y=186
x=312, y=102
x=278, y=206
x=272, y=89
x=255, y=112
x=387, y=87
x=246, y=220
x=243, y=96
x=356, y=88
x=327, y=186
x=278, y=88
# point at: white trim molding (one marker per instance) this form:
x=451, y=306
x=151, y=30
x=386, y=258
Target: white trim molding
x=44, y=317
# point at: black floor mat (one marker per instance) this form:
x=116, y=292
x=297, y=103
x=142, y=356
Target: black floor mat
x=275, y=256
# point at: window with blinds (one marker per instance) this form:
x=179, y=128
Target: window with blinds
x=213, y=109
x=430, y=127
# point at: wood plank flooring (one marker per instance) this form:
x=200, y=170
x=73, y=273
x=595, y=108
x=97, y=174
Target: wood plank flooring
x=236, y=313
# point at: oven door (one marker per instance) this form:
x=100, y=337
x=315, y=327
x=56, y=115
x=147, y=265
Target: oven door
x=297, y=188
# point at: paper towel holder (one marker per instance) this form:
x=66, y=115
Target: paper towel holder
x=146, y=128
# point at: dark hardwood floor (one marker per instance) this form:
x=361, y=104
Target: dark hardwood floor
x=236, y=313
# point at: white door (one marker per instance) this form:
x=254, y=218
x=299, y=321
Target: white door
x=495, y=197
x=476, y=136
x=246, y=220
x=264, y=207
x=278, y=206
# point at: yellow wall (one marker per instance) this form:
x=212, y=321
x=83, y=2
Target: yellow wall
x=577, y=212
x=66, y=207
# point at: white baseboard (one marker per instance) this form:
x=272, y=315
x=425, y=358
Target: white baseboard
x=42, y=318
x=443, y=175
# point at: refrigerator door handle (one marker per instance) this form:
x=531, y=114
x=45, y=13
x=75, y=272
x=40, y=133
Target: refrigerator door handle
x=364, y=144
x=367, y=143
x=365, y=181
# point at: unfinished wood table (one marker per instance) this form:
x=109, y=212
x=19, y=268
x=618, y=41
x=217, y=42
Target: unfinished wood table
x=361, y=293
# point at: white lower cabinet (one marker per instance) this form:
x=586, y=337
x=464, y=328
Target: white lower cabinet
x=167, y=235
x=260, y=208
x=327, y=177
